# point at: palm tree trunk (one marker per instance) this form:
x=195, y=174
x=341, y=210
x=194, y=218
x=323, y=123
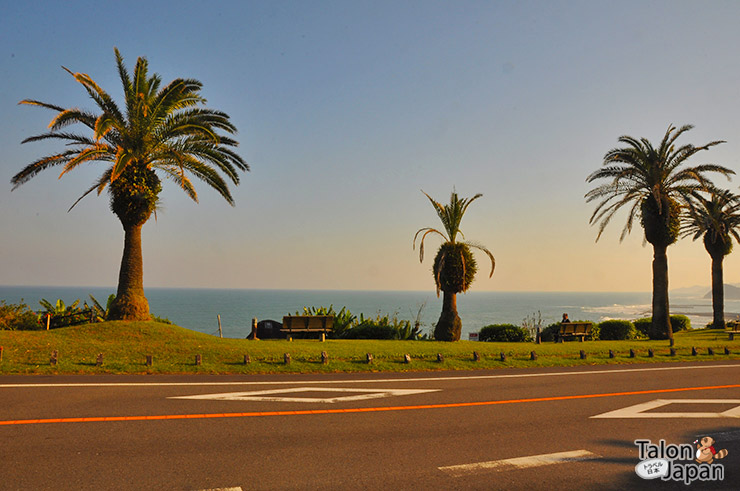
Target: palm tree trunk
x=130, y=302
x=449, y=325
x=718, y=292
x=661, y=325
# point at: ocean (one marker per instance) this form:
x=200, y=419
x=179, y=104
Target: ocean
x=197, y=309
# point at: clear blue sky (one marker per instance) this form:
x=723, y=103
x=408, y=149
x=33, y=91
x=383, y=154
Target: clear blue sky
x=346, y=110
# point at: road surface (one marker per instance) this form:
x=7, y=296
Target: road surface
x=568, y=428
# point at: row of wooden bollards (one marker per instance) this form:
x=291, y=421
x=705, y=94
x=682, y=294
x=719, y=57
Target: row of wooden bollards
x=54, y=358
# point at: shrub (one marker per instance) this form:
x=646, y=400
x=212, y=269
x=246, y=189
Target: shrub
x=504, y=333
x=678, y=323
x=643, y=325
x=549, y=333
x=17, y=317
x=615, y=330
x=343, y=320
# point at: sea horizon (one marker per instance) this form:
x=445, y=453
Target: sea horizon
x=198, y=308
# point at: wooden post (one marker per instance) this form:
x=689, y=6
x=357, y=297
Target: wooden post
x=632, y=353
x=673, y=351
x=369, y=358
x=324, y=358
x=253, y=334
x=502, y=356
x=1, y=353
x=583, y=355
x=149, y=360
x=407, y=358
x=220, y=332
x=247, y=360
x=476, y=356
x=54, y=358
x=727, y=351
x=651, y=353
x=286, y=358
x=693, y=351
x=99, y=361
x=710, y=351
x=198, y=359
x=611, y=353
x=532, y=355
x=440, y=358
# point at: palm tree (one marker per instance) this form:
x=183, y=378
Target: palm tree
x=161, y=130
x=654, y=184
x=717, y=219
x=454, y=266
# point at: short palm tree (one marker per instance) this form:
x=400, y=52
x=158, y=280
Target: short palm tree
x=717, y=220
x=454, y=266
x=655, y=184
x=163, y=130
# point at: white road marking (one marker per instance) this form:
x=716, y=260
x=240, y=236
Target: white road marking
x=269, y=395
x=364, y=381
x=638, y=410
x=223, y=489
x=519, y=463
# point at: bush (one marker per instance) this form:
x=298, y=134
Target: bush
x=643, y=325
x=17, y=317
x=550, y=332
x=504, y=333
x=678, y=323
x=616, y=330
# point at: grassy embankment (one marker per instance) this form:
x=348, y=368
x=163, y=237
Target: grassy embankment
x=125, y=346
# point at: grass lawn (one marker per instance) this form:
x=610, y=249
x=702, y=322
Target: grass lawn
x=125, y=346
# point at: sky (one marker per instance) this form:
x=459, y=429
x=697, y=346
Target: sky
x=347, y=111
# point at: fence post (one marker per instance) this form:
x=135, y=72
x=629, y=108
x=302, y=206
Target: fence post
x=1, y=353
x=149, y=360
x=324, y=357
x=99, y=361
x=253, y=334
x=220, y=333
x=54, y=358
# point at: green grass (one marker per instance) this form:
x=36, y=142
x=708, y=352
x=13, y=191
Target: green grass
x=125, y=346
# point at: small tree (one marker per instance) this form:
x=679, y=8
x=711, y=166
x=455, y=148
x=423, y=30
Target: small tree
x=454, y=265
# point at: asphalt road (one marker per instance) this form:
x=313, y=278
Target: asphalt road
x=572, y=428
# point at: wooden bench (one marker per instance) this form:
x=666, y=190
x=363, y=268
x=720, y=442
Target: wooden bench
x=307, y=323
x=574, y=329
x=732, y=328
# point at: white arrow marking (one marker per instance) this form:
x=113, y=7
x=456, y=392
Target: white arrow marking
x=519, y=463
x=638, y=410
x=271, y=395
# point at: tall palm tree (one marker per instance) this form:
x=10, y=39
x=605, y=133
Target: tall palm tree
x=454, y=265
x=654, y=183
x=717, y=220
x=165, y=130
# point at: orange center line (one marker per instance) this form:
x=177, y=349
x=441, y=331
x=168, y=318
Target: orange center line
x=106, y=419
